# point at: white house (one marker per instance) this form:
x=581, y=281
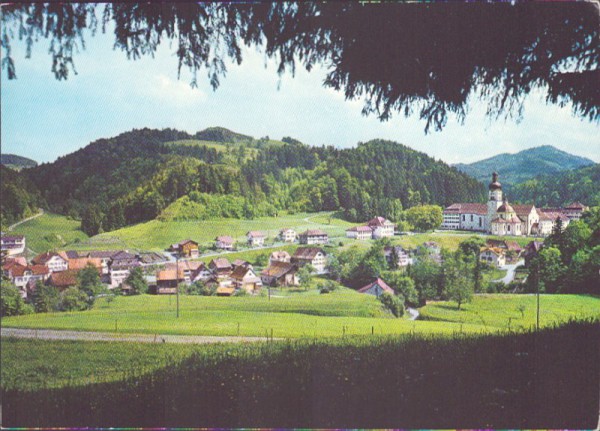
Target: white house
x=402, y=257
x=314, y=256
x=314, y=236
x=288, y=235
x=279, y=256
x=224, y=242
x=255, y=238
x=244, y=277
x=493, y=255
x=12, y=244
x=55, y=262
x=359, y=232
x=381, y=227
x=20, y=275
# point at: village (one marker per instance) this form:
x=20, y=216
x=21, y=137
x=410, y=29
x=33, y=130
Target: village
x=180, y=264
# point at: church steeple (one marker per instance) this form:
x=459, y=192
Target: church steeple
x=494, y=201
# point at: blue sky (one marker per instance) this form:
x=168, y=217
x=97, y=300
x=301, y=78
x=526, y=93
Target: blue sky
x=43, y=118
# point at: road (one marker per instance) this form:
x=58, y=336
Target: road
x=12, y=226
x=49, y=334
x=510, y=273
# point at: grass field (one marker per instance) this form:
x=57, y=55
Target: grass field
x=503, y=310
x=50, y=231
x=545, y=379
x=307, y=315
x=157, y=235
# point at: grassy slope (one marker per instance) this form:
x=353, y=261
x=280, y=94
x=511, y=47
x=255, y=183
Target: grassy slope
x=305, y=315
x=497, y=310
x=50, y=231
x=157, y=235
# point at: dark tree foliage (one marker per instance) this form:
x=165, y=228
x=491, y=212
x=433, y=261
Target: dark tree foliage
x=19, y=197
x=407, y=58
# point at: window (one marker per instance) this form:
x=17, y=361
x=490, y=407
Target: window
x=480, y=222
x=464, y=217
x=509, y=228
x=471, y=217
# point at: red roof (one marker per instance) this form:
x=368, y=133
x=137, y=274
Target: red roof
x=378, y=221
x=307, y=253
x=359, y=229
x=379, y=282
x=523, y=210
x=225, y=239
x=467, y=208
x=45, y=257
x=221, y=263
x=64, y=278
x=255, y=234
x=314, y=232
x=576, y=206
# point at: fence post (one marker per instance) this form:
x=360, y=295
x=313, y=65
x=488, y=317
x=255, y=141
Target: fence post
x=372, y=330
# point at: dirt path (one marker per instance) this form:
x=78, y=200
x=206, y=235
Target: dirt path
x=49, y=334
x=12, y=226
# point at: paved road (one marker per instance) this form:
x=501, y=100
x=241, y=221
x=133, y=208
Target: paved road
x=510, y=273
x=49, y=334
x=12, y=226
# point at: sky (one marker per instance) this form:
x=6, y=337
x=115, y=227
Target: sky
x=43, y=118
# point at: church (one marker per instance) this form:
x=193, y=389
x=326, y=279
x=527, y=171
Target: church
x=498, y=217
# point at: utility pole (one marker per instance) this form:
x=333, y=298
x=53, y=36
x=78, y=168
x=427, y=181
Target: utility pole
x=177, y=281
x=537, y=283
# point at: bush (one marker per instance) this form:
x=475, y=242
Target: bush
x=11, y=301
x=327, y=287
x=199, y=288
x=73, y=299
x=394, y=303
x=240, y=292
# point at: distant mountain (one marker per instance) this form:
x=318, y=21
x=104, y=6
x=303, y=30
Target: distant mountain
x=577, y=185
x=16, y=162
x=524, y=165
x=220, y=134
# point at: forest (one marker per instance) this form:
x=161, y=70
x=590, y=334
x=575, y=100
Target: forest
x=142, y=174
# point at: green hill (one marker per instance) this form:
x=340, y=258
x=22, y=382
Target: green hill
x=561, y=189
x=524, y=165
x=135, y=176
x=20, y=197
x=16, y=162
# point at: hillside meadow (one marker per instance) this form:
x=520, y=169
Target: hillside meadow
x=50, y=231
x=307, y=315
x=506, y=380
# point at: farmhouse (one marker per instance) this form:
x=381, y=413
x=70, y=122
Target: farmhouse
x=498, y=217
x=224, y=242
x=12, y=244
x=186, y=248
x=280, y=274
x=359, y=232
x=168, y=280
x=493, y=256
x=63, y=279
x=314, y=256
x=279, y=256
x=314, y=236
x=377, y=288
x=381, y=227
x=220, y=267
x=255, y=238
x=287, y=235
x=402, y=257
x=20, y=275
x=55, y=262
x=245, y=278
x=240, y=262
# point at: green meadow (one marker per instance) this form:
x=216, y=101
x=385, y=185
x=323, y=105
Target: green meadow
x=50, y=231
x=307, y=314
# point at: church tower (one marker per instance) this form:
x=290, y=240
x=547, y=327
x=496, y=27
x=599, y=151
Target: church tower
x=494, y=200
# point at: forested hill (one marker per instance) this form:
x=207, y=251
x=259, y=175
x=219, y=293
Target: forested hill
x=579, y=185
x=16, y=162
x=20, y=198
x=524, y=165
x=144, y=174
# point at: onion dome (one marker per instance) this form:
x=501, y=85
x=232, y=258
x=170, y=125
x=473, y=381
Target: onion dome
x=495, y=185
x=505, y=207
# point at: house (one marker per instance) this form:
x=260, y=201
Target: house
x=402, y=257
x=82, y=262
x=288, y=235
x=359, y=232
x=493, y=256
x=225, y=291
x=532, y=249
x=431, y=247
x=224, y=242
x=381, y=227
x=377, y=288
x=575, y=210
x=220, y=267
x=200, y=273
x=167, y=281
x=63, y=279
x=512, y=248
x=279, y=256
x=192, y=270
x=314, y=236
x=54, y=261
x=21, y=275
x=244, y=278
x=186, y=248
x=152, y=258
x=548, y=220
x=119, y=271
x=314, y=256
x=12, y=244
x=255, y=238
x=280, y=274
x=240, y=262
x=105, y=257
